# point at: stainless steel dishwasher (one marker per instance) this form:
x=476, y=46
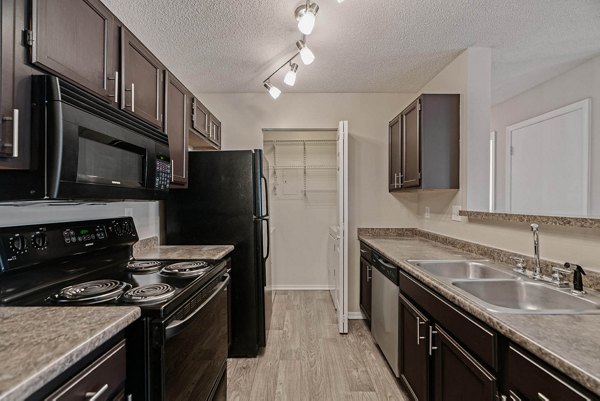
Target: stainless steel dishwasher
x=384, y=310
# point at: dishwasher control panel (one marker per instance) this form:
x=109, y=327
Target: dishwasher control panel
x=386, y=268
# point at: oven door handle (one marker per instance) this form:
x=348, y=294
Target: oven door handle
x=177, y=326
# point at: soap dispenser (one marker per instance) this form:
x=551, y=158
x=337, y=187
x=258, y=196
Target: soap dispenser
x=578, y=274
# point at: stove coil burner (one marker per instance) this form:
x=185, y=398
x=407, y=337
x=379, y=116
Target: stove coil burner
x=91, y=292
x=143, y=266
x=186, y=269
x=149, y=293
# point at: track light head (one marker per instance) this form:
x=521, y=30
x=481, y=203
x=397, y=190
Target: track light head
x=306, y=54
x=290, y=76
x=306, y=15
x=273, y=90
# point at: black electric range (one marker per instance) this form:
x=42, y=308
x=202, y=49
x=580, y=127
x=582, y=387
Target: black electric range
x=184, y=303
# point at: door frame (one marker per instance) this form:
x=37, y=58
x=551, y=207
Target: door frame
x=342, y=150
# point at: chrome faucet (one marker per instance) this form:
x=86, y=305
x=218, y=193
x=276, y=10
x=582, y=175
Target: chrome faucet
x=537, y=269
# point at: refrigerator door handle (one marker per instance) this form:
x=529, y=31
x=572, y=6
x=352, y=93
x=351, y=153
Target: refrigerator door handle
x=268, y=239
x=266, y=195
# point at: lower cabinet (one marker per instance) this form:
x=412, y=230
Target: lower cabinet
x=434, y=366
x=457, y=374
x=366, y=274
x=102, y=380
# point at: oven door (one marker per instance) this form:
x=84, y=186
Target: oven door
x=195, y=348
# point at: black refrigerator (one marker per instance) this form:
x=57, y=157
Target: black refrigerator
x=227, y=202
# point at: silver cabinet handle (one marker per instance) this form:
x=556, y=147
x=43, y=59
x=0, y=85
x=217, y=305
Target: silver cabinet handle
x=396, y=180
x=419, y=323
x=132, y=90
x=116, y=79
x=96, y=396
x=542, y=397
x=513, y=396
x=172, y=171
x=369, y=273
x=431, y=333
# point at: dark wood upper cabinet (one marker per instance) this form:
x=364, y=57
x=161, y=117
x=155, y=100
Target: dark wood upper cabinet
x=424, y=144
x=142, y=81
x=411, y=146
x=75, y=39
x=17, y=147
x=176, y=127
x=458, y=376
x=413, y=350
x=395, y=150
x=206, y=128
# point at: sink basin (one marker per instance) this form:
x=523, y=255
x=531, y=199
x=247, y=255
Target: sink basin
x=461, y=269
x=518, y=296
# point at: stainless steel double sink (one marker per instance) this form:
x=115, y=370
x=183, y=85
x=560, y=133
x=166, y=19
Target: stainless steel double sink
x=499, y=290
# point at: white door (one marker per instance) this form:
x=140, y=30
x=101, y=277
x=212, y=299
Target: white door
x=342, y=181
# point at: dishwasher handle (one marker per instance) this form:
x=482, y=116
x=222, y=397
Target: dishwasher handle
x=388, y=270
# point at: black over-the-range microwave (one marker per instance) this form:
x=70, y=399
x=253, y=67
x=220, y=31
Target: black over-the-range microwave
x=88, y=150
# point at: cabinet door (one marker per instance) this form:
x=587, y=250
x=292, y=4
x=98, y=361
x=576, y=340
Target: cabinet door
x=8, y=134
x=366, y=271
x=176, y=99
x=142, y=91
x=413, y=350
x=529, y=380
x=458, y=376
x=214, y=130
x=73, y=38
x=200, y=118
x=395, y=152
x=411, y=146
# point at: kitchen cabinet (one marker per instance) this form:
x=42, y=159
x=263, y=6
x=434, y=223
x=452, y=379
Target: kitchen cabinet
x=77, y=40
x=142, y=80
x=528, y=379
x=424, y=144
x=366, y=275
x=457, y=374
x=176, y=127
x=206, y=128
x=102, y=380
x=395, y=150
x=413, y=350
x=17, y=147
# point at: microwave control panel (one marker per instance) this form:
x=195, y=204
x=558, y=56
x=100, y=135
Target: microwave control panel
x=163, y=175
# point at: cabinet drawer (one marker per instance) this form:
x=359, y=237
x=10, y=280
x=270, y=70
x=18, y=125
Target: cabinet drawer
x=528, y=379
x=366, y=253
x=473, y=335
x=105, y=375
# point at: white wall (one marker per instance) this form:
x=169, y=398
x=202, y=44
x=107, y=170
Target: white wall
x=145, y=214
x=577, y=84
x=370, y=204
x=558, y=244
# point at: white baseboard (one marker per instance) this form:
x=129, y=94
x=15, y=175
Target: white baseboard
x=301, y=288
x=355, y=316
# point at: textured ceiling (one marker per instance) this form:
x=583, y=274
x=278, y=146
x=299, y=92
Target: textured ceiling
x=363, y=45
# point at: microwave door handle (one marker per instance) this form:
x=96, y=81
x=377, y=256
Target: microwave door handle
x=177, y=326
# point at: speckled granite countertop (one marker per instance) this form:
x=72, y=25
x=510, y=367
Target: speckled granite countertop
x=39, y=343
x=570, y=343
x=150, y=249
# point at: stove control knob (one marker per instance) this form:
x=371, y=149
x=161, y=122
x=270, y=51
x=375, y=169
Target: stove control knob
x=39, y=240
x=19, y=243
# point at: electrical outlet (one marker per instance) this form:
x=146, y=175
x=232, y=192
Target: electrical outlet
x=427, y=212
x=455, y=213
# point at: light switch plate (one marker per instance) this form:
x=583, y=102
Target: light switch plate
x=427, y=212
x=455, y=213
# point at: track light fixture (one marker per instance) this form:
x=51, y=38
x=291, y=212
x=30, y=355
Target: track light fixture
x=290, y=76
x=306, y=54
x=306, y=15
x=273, y=90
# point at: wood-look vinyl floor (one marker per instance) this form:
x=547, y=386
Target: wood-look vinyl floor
x=306, y=359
